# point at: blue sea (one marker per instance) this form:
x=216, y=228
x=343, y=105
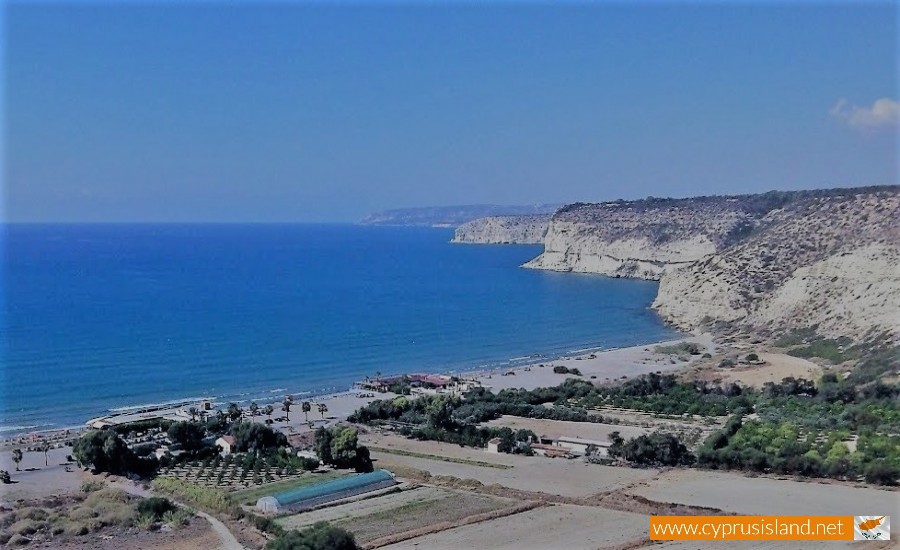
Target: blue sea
x=100, y=317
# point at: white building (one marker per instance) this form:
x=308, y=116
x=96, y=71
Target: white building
x=226, y=443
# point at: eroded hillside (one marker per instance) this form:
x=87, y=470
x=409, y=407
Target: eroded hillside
x=830, y=261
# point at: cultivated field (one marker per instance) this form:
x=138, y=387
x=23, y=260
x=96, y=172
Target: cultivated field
x=560, y=526
x=733, y=492
x=554, y=476
x=583, y=430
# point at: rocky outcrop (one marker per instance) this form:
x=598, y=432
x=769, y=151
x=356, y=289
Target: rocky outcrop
x=641, y=239
x=832, y=262
x=503, y=230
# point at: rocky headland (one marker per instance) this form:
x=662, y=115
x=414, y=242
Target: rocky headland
x=828, y=259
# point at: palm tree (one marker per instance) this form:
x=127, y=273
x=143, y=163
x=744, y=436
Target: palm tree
x=287, y=407
x=269, y=410
x=306, y=408
x=44, y=447
x=17, y=457
x=234, y=412
x=254, y=409
x=322, y=410
x=193, y=412
x=221, y=416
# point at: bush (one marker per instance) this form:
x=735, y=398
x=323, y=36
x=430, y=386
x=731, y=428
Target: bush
x=267, y=525
x=77, y=528
x=177, y=518
x=145, y=521
x=319, y=536
x=25, y=527
x=91, y=486
x=882, y=473
x=155, y=507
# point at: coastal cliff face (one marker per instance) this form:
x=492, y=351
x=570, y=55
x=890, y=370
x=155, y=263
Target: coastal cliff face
x=768, y=262
x=503, y=230
x=832, y=262
x=641, y=239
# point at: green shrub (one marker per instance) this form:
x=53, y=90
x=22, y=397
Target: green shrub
x=155, y=507
x=177, y=518
x=145, y=521
x=267, y=525
x=320, y=536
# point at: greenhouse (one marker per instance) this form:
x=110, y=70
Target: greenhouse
x=322, y=493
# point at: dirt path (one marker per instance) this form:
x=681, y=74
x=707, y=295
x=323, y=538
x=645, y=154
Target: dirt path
x=229, y=542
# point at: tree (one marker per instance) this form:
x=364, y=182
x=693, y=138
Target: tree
x=323, y=409
x=306, y=406
x=254, y=409
x=44, y=447
x=257, y=438
x=343, y=446
x=269, y=410
x=193, y=412
x=319, y=536
x=323, y=445
x=287, y=407
x=234, y=412
x=187, y=434
x=17, y=457
x=103, y=451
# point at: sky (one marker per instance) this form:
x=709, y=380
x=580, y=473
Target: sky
x=320, y=112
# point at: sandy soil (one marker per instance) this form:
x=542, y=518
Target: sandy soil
x=733, y=492
x=777, y=367
x=560, y=526
x=196, y=535
x=36, y=480
x=605, y=366
x=583, y=430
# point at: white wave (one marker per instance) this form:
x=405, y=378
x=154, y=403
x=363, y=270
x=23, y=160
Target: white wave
x=584, y=350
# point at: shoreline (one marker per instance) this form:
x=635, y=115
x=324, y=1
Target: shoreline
x=594, y=362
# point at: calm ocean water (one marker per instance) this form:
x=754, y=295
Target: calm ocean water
x=99, y=317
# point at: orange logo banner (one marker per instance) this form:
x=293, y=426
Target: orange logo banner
x=752, y=527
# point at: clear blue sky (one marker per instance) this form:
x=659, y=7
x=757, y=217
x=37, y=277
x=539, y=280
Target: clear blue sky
x=317, y=112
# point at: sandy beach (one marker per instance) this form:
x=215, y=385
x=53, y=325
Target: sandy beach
x=598, y=366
